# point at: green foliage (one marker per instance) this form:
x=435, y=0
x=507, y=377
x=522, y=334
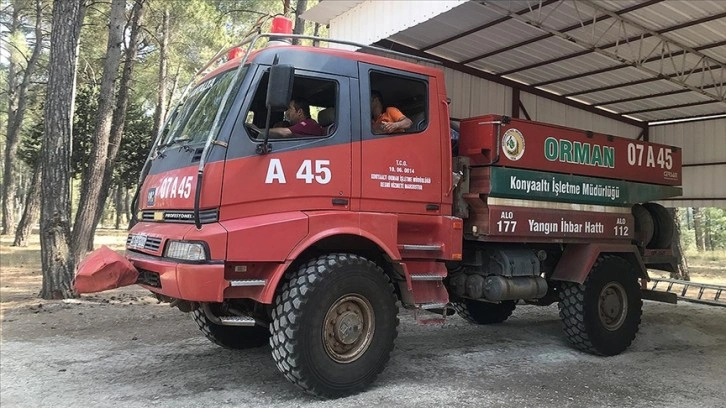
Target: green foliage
x=198, y=30
x=716, y=226
x=688, y=237
x=134, y=146
x=84, y=124
x=29, y=149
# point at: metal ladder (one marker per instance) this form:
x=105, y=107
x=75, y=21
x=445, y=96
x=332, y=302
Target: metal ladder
x=685, y=286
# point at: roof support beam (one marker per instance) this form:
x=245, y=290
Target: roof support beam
x=611, y=45
x=637, y=98
x=685, y=119
x=614, y=67
x=624, y=52
x=683, y=105
x=507, y=82
x=563, y=30
x=487, y=25
x=637, y=82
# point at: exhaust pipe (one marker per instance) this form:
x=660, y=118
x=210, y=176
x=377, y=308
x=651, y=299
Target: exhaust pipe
x=498, y=288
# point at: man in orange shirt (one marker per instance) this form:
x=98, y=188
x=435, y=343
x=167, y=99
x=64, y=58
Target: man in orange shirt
x=386, y=120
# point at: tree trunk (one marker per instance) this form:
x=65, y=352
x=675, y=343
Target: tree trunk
x=299, y=21
x=127, y=204
x=92, y=185
x=286, y=7
x=316, y=32
x=160, y=111
x=30, y=212
x=119, y=114
x=707, y=232
x=56, y=256
x=17, y=103
x=8, y=182
x=698, y=228
x=174, y=85
x=118, y=205
x=682, y=272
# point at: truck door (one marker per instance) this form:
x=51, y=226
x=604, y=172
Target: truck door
x=302, y=172
x=400, y=171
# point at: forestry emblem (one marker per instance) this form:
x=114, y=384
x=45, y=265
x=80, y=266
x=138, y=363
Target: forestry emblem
x=513, y=144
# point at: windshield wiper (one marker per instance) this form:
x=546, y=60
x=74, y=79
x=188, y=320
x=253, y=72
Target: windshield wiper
x=158, y=149
x=176, y=142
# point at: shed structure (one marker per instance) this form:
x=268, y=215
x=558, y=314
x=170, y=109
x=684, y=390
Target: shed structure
x=618, y=67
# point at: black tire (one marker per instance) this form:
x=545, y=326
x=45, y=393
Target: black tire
x=664, y=228
x=334, y=324
x=483, y=312
x=231, y=337
x=644, y=225
x=602, y=315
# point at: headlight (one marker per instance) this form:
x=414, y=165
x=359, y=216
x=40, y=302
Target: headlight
x=185, y=250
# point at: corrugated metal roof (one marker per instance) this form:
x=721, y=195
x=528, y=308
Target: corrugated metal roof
x=667, y=53
x=325, y=11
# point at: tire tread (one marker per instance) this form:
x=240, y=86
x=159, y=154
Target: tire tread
x=292, y=299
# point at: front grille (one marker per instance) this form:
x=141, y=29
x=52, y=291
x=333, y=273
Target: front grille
x=147, y=216
x=180, y=216
x=150, y=243
x=149, y=278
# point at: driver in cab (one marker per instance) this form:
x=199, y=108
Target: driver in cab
x=301, y=124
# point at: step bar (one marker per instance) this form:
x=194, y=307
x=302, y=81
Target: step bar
x=419, y=277
x=238, y=319
x=426, y=248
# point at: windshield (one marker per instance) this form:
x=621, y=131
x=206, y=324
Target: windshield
x=191, y=123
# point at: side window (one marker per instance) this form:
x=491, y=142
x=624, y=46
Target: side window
x=310, y=114
x=398, y=104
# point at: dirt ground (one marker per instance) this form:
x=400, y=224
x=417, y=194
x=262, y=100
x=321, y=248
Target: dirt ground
x=122, y=348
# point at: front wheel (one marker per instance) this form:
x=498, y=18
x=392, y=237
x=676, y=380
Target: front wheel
x=333, y=325
x=602, y=315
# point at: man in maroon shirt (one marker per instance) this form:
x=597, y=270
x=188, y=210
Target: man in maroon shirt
x=302, y=125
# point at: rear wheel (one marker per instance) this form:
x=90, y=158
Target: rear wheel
x=664, y=227
x=602, y=315
x=231, y=337
x=483, y=312
x=334, y=324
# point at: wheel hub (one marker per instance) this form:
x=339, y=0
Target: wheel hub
x=613, y=306
x=348, y=328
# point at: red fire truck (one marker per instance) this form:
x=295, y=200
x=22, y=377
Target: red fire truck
x=311, y=243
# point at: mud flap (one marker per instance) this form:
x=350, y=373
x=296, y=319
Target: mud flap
x=104, y=269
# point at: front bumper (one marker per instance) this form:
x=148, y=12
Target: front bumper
x=199, y=282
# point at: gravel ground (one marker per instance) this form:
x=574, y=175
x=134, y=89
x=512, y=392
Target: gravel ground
x=123, y=349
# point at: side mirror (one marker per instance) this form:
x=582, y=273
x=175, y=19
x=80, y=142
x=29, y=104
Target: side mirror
x=279, y=87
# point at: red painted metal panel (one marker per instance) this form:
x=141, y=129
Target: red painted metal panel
x=540, y=146
x=200, y=283
x=379, y=228
x=175, y=189
x=308, y=179
x=577, y=260
x=265, y=238
x=402, y=173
